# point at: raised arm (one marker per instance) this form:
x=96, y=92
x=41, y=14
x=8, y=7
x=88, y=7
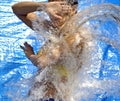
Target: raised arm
x=55, y=10
x=44, y=57
x=24, y=11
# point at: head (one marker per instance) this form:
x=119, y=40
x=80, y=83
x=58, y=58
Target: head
x=71, y=2
x=55, y=0
x=65, y=17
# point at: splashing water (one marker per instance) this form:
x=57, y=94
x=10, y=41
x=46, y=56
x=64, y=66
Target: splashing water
x=95, y=26
x=100, y=20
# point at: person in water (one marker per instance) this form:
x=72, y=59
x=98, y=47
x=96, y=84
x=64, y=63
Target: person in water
x=56, y=10
x=51, y=57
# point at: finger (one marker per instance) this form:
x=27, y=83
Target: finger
x=63, y=3
x=55, y=16
x=23, y=48
x=66, y=9
x=27, y=45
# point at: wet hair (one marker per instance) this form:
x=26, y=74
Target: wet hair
x=55, y=0
x=71, y=2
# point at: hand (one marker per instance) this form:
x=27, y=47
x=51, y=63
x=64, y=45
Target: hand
x=28, y=50
x=56, y=10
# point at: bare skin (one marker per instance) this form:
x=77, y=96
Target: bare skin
x=24, y=10
x=28, y=50
x=56, y=11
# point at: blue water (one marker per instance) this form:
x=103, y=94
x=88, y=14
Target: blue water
x=16, y=67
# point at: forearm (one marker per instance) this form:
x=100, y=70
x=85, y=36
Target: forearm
x=23, y=8
x=39, y=61
x=44, y=59
x=34, y=60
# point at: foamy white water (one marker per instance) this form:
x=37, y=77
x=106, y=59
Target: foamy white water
x=85, y=82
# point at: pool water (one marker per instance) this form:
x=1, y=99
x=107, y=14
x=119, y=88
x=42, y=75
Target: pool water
x=15, y=67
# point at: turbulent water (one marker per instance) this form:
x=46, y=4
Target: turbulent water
x=103, y=22
x=98, y=25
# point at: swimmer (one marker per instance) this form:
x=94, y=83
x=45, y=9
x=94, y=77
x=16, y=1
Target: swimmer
x=56, y=10
x=49, y=57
